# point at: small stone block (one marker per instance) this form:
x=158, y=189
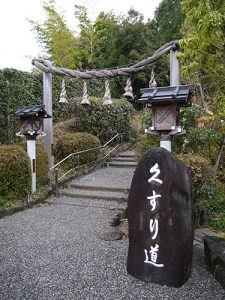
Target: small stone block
x=214, y=249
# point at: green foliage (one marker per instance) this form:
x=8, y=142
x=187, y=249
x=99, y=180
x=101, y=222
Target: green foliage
x=75, y=142
x=200, y=138
x=41, y=166
x=208, y=190
x=215, y=204
x=104, y=31
x=167, y=21
x=57, y=39
x=201, y=172
x=18, y=89
x=145, y=143
x=217, y=222
x=105, y=121
x=15, y=175
x=203, y=53
x=110, y=41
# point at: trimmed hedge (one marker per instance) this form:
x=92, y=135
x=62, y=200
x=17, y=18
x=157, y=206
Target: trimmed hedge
x=75, y=142
x=105, y=121
x=18, y=88
x=15, y=177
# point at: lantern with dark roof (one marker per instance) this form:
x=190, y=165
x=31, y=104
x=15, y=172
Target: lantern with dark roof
x=31, y=119
x=165, y=103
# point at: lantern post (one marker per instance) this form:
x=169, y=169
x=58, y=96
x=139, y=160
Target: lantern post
x=31, y=126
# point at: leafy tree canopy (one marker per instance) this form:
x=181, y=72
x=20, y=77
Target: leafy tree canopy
x=203, y=44
x=57, y=39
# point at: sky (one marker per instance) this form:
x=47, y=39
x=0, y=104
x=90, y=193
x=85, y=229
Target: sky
x=18, y=42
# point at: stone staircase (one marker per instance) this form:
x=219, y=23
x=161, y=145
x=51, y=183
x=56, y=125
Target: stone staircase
x=108, y=183
x=95, y=192
x=123, y=160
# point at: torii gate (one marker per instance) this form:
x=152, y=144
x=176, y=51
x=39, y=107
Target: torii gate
x=45, y=65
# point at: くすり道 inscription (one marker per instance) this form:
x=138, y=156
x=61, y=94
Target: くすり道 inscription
x=160, y=217
x=154, y=222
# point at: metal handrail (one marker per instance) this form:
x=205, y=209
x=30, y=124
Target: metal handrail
x=80, y=152
x=55, y=168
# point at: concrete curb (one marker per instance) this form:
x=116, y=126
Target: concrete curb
x=12, y=210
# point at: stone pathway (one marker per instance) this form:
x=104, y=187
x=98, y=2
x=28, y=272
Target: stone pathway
x=56, y=251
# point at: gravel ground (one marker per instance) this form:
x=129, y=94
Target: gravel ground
x=55, y=252
x=118, y=177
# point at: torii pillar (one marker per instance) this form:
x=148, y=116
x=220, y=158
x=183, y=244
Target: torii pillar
x=48, y=123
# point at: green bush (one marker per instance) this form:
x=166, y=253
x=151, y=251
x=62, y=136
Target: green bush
x=215, y=205
x=105, y=121
x=145, y=143
x=41, y=166
x=15, y=179
x=199, y=139
x=75, y=142
x=201, y=172
x=207, y=192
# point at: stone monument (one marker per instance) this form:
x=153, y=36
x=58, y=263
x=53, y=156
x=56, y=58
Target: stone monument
x=160, y=218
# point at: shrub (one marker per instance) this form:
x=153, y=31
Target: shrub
x=75, y=142
x=146, y=142
x=202, y=137
x=15, y=179
x=105, y=121
x=42, y=166
x=215, y=205
x=202, y=179
x=201, y=172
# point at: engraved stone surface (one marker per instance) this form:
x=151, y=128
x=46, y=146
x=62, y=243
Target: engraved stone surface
x=160, y=217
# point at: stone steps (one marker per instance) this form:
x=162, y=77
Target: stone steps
x=95, y=194
x=126, y=155
x=124, y=159
x=98, y=203
x=105, y=184
x=98, y=188
x=123, y=164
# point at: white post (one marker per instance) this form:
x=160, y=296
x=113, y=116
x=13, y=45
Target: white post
x=48, y=122
x=175, y=77
x=31, y=151
x=166, y=145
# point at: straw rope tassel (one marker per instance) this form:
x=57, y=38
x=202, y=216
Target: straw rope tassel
x=63, y=95
x=85, y=99
x=107, y=97
x=128, y=90
x=152, y=82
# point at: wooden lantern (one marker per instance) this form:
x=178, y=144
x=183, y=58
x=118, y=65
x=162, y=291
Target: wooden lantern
x=165, y=103
x=31, y=119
